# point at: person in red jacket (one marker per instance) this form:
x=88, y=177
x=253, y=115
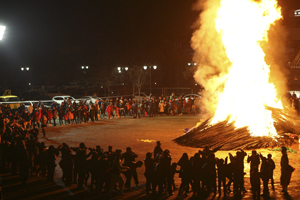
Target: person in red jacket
x=117, y=110
x=108, y=110
x=49, y=116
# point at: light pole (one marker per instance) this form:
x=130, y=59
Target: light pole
x=120, y=69
x=84, y=68
x=150, y=67
x=24, y=69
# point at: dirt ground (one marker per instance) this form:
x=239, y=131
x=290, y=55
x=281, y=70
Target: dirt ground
x=141, y=135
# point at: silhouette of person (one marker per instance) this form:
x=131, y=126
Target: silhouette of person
x=221, y=176
x=272, y=167
x=265, y=175
x=285, y=171
x=149, y=171
x=255, y=182
x=185, y=173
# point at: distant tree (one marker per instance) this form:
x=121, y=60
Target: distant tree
x=139, y=77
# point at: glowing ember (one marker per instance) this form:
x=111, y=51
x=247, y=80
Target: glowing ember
x=146, y=140
x=242, y=25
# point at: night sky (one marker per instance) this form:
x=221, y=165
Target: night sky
x=57, y=37
x=63, y=35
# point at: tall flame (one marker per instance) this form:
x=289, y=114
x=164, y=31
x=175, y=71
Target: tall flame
x=243, y=25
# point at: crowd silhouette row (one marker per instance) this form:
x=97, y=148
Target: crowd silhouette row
x=203, y=173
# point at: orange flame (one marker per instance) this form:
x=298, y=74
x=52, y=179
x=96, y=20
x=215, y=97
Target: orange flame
x=242, y=25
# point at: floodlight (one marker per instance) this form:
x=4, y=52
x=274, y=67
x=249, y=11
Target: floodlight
x=2, y=29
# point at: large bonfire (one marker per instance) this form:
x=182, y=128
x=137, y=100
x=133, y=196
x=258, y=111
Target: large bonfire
x=246, y=111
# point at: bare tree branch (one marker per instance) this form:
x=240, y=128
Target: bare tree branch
x=139, y=77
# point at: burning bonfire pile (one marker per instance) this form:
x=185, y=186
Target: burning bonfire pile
x=230, y=48
x=227, y=137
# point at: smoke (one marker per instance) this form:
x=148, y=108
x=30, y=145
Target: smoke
x=213, y=64
x=209, y=53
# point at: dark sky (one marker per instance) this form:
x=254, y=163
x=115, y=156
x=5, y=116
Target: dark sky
x=45, y=34
x=62, y=35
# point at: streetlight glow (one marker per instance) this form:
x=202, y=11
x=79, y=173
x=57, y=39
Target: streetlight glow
x=87, y=67
x=126, y=68
x=119, y=71
x=189, y=63
x=2, y=30
x=154, y=67
x=145, y=67
x=195, y=63
x=82, y=67
x=27, y=68
x=119, y=68
x=22, y=68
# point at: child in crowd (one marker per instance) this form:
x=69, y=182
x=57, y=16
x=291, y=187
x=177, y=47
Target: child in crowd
x=117, y=111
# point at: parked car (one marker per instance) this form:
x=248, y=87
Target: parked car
x=60, y=99
x=88, y=99
x=193, y=96
x=140, y=98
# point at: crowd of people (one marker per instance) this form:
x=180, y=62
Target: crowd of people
x=69, y=112
x=201, y=174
